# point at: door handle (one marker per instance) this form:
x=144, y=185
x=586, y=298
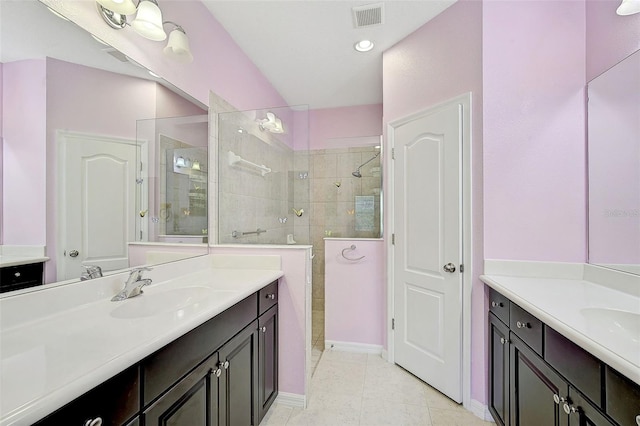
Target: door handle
x=449, y=267
x=74, y=253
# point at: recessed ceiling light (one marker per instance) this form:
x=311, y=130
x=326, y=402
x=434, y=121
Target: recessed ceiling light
x=363, y=45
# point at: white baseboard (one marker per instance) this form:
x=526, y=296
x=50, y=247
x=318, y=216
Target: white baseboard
x=291, y=400
x=480, y=410
x=385, y=355
x=363, y=348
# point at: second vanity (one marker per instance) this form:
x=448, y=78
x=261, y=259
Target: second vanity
x=197, y=345
x=564, y=349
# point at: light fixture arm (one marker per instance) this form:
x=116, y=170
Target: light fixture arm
x=177, y=26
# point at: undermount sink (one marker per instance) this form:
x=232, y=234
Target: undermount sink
x=150, y=304
x=622, y=323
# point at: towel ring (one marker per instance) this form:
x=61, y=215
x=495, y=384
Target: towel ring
x=353, y=247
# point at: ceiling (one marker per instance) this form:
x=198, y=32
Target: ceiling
x=305, y=47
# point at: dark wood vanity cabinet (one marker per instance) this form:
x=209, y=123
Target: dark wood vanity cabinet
x=538, y=377
x=21, y=276
x=222, y=373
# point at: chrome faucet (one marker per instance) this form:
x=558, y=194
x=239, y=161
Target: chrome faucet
x=91, y=271
x=133, y=285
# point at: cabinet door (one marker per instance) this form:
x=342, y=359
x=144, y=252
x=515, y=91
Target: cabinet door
x=192, y=401
x=238, y=402
x=533, y=387
x=583, y=413
x=498, y=370
x=267, y=360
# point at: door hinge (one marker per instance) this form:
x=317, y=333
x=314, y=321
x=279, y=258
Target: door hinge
x=393, y=323
x=393, y=153
x=393, y=239
x=461, y=268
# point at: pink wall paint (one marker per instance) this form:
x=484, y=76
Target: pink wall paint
x=355, y=292
x=24, y=193
x=345, y=122
x=534, y=125
x=219, y=64
x=439, y=61
x=291, y=310
x=610, y=38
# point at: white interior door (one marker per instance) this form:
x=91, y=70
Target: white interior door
x=427, y=283
x=97, y=202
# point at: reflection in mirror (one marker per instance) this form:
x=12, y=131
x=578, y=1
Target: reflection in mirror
x=614, y=166
x=69, y=145
x=263, y=166
x=172, y=202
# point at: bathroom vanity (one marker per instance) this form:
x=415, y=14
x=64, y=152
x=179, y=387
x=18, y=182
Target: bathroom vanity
x=556, y=356
x=200, y=348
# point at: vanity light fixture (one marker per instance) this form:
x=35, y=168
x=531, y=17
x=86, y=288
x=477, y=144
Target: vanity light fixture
x=178, y=45
x=363, y=45
x=272, y=123
x=147, y=23
x=628, y=7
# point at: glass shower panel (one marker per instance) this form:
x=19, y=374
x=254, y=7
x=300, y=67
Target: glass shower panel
x=173, y=181
x=263, y=172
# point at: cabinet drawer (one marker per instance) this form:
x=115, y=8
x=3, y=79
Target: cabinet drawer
x=115, y=401
x=581, y=368
x=526, y=326
x=21, y=276
x=267, y=297
x=499, y=305
x=623, y=398
x=165, y=367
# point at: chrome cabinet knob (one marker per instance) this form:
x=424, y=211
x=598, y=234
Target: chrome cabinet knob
x=225, y=365
x=521, y=324
x=497, y=304
x=638, y=419
x=569, y=409
x=74, y=253
x=217, y=372
x=558, y=399
x=263, y=329
x=94, y=422
x=17, y=274
x=449, y=267
x=503, y=340
x=271, y=296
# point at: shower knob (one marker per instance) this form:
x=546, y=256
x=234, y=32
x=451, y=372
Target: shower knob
x=449, y=267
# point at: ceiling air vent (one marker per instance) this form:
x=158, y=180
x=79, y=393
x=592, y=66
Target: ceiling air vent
x=116, y=54
x=368, y=15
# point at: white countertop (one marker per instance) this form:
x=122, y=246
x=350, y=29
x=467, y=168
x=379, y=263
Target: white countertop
x=559, y=304
x=9, y=260
x=48, y=362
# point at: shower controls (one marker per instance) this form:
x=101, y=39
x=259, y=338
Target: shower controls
x=449, y=267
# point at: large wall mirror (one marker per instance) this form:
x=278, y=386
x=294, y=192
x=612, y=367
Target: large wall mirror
x=92, y=148
x=614, y=166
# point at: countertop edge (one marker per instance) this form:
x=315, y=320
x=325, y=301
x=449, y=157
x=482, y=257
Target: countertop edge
x=20, y=260
x=604, y=354
x=38, y=409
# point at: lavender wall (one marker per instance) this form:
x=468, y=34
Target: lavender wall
x=345, y=122
x=534, y=124
x=610, y=38
x=24, y=167
x=219, y=64
x=439, y=61
x=355, y=292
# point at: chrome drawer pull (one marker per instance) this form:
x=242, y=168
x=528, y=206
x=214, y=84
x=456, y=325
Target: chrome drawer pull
x=520, y=324
x=271, y=296
x=94, y=422
x=497, y=304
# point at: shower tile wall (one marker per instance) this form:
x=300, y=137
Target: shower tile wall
x=333, y=191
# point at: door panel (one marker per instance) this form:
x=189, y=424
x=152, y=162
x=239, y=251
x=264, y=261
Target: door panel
x=428, y=234
x=97, y=181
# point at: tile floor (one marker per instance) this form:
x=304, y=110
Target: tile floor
x=359, y=389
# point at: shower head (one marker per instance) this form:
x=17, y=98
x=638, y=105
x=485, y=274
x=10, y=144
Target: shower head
x=357, y=172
